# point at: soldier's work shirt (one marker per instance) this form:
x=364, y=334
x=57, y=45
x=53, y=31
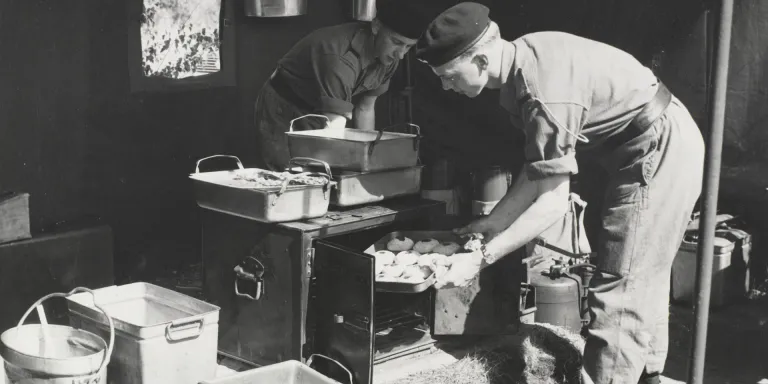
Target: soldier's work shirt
x=331, y=66
x=591, y=88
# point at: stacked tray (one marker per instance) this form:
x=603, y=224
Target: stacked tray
x=263, y=195
x=368, y=166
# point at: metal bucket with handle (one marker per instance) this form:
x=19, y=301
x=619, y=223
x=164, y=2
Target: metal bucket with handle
x=55, y=354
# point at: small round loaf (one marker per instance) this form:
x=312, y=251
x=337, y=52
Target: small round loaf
x=427, y=260
x=399, y=244
x=384, y=257
x=416, y=273
x=393, y=271
x=447, y=248
x=441, y=260
x=379, y=267
x=407, y=258
x=425, y=246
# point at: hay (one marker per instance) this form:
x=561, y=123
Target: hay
x=537, y=354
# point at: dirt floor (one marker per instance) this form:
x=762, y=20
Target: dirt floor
x=737, y=345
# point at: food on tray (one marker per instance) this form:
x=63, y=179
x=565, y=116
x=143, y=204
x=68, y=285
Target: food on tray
x=399, y=244
x=407, y=258
x=414, y=272
x=474, y=243
x=262, y=178
x=384, y=257
x=379, y=267
x=441, y=260
x=393, y=271
x=447, y=248
x=427, y=260
x=425, y=246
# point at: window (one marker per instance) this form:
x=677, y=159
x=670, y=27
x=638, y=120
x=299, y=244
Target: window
x=181, y=44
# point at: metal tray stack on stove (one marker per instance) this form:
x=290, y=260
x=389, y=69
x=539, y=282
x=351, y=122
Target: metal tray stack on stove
x=367, y=166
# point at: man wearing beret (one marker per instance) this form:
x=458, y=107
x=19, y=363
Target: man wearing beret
x=570, y=94
x=337, y=72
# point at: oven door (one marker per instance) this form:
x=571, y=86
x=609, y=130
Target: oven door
x=341, y=311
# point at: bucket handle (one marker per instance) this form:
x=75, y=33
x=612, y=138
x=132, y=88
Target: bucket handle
x=290, y=126
x=311, y=357
x=110, y=346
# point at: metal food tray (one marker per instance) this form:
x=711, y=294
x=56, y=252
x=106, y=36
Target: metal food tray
x=215, y=191
x=356, y=150
x=356, y=188
x=406, y=287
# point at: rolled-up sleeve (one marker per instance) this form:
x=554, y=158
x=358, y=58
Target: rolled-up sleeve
x=549, y=149
x=335, y=77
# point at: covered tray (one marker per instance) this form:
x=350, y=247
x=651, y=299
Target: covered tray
x=263, y=195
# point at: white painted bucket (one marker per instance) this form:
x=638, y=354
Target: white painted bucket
x=55, y=354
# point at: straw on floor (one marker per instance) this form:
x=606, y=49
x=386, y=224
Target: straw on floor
x=537, y=354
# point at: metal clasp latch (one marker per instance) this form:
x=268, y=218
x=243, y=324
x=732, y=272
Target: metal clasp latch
x=249, y=273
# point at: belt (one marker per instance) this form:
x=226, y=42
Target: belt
x=282, y=88
x=644, y=120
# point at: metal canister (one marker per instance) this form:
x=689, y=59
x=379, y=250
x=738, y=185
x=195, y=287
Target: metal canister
x=489, y=185
x=363, y=10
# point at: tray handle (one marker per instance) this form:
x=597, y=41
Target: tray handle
x=290, y=126
x=288, y=179
x=308, y=160
x=312, y=357
x=111, y=343
x=175, y=331
x=381, y=133
x=197, y=167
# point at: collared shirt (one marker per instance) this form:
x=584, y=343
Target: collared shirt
x=557, y=81
x=333, y=65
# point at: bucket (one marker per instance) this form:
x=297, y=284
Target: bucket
x=55, y=354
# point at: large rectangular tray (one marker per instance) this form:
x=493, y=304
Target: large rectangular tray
x=214, y=191
x=356, y=150
x=405, y=287
x=356, y=188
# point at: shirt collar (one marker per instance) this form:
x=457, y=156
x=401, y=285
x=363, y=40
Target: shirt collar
x=362, y=44
x=508, y=55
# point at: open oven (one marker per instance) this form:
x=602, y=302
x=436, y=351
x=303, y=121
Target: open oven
x=290, y=290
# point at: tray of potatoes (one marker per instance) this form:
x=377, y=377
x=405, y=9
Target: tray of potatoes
x=408, y=261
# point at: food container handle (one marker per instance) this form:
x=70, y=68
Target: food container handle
x=418, y=136
x=110, y=346
x=239, y=163
x=309, y=364
x=309, y=160
x=290, y=126
x=293, y=176
x=381, y=133
x=178, y=326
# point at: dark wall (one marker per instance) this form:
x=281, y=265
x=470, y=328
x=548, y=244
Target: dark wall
x=87, y=149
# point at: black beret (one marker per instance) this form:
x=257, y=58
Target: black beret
x=453, y=32
x=408, y=18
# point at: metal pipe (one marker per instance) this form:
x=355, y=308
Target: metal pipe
x=710, y=189
x=408, y=90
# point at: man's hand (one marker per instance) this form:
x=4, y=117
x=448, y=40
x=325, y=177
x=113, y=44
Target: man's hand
x=489, y=228
x=464, y=270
